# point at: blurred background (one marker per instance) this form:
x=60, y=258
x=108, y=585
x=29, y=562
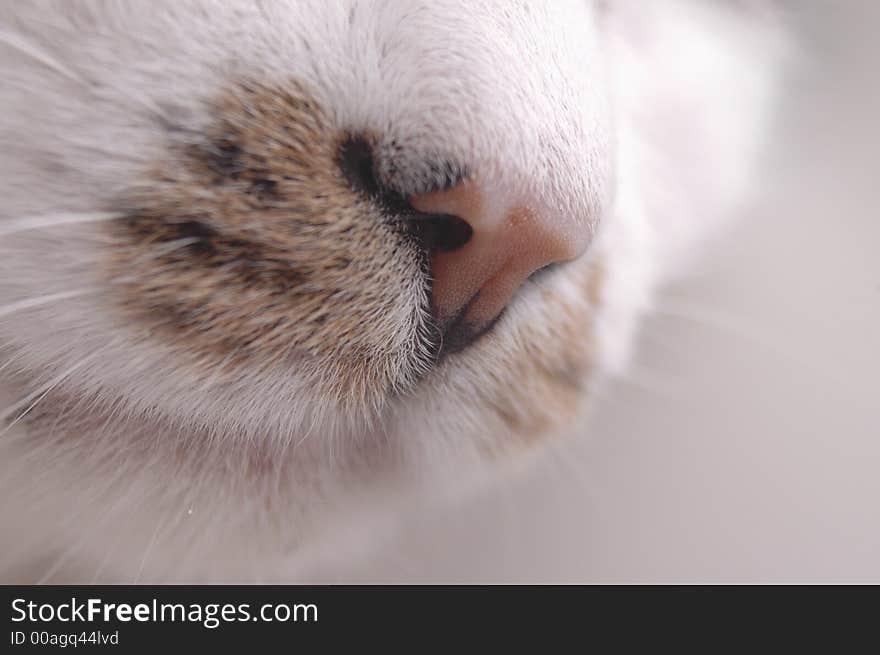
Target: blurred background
x=745, y=445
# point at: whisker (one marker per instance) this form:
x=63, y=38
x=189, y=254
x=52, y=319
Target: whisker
x=9, y=362
x=37, y=395
x=734, y=326
x=309, y=432
x=726, y=323
x=164, y=249
x=76, y=545
x=52, y=220
x=17, y=42
x=699, y=315
x=149, y=549
x=651, y=381
x=41, y=300
x=218, y=371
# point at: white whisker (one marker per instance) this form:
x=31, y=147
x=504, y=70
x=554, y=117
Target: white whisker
x=148, y=549
x=17, y=42
x=48, y=299
x=564, y=456
x=37, y=395
x=164, y=249
x=654, y=382
x=9, y=363
x=699, y=315
x=77, y=543
x=43, y=221
x=726, y=323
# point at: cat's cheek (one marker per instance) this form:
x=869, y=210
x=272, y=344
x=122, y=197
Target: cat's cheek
x=513, y=391
x=246, y=255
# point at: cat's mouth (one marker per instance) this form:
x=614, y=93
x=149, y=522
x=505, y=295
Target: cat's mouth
x=460, y=332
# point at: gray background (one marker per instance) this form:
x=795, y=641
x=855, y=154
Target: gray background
x=746, y=444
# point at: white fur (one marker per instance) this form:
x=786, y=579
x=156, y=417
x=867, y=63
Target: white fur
x=649, y=111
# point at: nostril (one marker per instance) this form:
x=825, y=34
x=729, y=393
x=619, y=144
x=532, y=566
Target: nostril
x=355, y=160
x=441, y=232
x=437, y=232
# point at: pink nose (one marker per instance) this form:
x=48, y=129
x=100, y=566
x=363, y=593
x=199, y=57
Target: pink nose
x=510, y=240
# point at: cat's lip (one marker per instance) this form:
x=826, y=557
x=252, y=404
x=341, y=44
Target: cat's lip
x=460, y=332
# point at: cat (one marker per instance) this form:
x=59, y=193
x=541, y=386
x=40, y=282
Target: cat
x=268, y=269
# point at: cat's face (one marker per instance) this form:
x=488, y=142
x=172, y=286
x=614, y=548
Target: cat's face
x=319, y=214
x=307, y=241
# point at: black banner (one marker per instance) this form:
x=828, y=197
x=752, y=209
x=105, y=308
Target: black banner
x=127, y=618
